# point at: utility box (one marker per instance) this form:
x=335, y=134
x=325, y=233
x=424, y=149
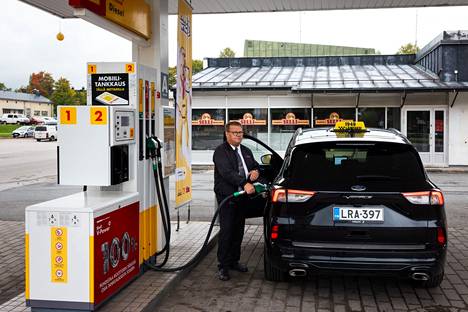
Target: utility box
x=81, y=249
x=93, y=145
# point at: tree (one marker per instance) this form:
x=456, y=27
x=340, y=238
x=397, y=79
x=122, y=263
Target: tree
x=3, y=87
x=197, y=66
x=42, y=82
x=80, y=97
x=408, y=48
x=227, y=52
x=63, y=94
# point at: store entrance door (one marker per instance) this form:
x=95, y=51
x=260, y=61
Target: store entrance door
x=426, y=129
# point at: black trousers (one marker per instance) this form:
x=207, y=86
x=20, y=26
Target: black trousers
x=231, y=232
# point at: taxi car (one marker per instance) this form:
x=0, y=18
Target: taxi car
x=355, y=200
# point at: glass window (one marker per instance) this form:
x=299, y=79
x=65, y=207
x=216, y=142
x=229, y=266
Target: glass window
x=393, y=118
x=253, y=120
x=439, y=131
x=325, y=117
x=418, y=129
x=373, y=117
x=337, y=166
x=284, y=123
x=37, y=113
x=44, y=113
x=207, y=128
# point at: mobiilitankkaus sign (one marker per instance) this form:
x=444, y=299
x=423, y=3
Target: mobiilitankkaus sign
x=133, y=15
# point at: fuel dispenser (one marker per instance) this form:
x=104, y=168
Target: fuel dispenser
x=83, y=248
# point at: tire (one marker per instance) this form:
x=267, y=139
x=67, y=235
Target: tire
x=38, y=140
x=271, y=273
x=434, y=281
x=52, y=138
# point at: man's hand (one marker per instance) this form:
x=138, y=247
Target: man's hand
x=249, y=188
x=253, y=175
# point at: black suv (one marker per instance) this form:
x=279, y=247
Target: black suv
x=354, y=201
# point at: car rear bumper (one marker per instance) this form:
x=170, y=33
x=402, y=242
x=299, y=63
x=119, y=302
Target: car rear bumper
x=401, y=263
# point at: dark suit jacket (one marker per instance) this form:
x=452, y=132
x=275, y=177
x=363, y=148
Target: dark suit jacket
x=226, y=174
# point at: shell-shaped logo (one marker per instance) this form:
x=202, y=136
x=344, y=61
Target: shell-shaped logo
x=334, y=116
x=290, y=116
x=205, y=116
x=247, y=116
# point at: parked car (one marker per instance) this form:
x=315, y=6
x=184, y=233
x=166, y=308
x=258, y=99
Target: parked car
x=23, y=132
x=45, y=132
x=14, y=119
x=355, y=200
x=49, y=120
x=36, y=120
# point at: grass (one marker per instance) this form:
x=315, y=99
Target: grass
x=5, y=130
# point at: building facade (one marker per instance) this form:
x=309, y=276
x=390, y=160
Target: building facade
x=273, y=97
x=25, y=103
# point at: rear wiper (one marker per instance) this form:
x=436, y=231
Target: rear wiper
x=376, y=177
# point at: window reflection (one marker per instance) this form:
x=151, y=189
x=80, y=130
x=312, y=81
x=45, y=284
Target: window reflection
x=284, y=122
x=207, y=128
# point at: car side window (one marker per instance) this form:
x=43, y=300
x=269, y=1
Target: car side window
x=257, y=150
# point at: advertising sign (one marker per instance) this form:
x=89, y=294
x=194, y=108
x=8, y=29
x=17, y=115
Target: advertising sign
x=248, y=120
x=109, y=89
x=116, y=256
x=290, y=119
x=206, y=120
x=133, y=15
x=331, y=120
x=183, y=172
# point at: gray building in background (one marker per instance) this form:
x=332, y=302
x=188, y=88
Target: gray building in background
x=425, y=96
x=260, y=48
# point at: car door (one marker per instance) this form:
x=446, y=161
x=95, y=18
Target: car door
x=270, y=165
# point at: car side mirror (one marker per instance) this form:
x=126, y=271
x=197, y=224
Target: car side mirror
x=266, y=159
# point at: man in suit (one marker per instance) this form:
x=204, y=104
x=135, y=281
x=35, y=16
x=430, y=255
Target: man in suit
x=235, y=170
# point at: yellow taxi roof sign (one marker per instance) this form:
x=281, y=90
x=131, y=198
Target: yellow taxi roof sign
x=350, y=126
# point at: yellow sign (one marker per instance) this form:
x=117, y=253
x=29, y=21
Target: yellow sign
x=350, y=125
x=131, y=14
x=92, y=68
x=183, y=171
x=130, y=68
x=98, y=115
x=68, y=115
x=153, y=98
x=58, y=254
x=140, y=97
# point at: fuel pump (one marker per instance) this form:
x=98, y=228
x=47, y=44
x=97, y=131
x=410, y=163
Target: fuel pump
x=83, y=248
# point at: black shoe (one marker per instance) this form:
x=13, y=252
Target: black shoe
x=223, y=274
x=239, y=267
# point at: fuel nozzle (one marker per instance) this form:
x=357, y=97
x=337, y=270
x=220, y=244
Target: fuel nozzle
x=259, y=188
x=154, y=146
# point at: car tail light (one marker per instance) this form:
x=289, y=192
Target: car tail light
x=274, y=232
x=293, y=196
x=425, y=198
x=441, y=239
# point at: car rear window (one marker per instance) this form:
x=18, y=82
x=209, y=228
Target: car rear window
x=39, y=128
x=337, y=166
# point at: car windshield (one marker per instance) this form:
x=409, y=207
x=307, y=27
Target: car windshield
x=337, y=166
x=41, y=128
x=24, y=128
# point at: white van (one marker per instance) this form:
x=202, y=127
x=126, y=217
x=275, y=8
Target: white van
x=14, y=119
x=45, y=132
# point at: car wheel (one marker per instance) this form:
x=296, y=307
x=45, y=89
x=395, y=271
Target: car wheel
x=52, y=138
x=433, y=281
x=38, y=140
x=272, y=273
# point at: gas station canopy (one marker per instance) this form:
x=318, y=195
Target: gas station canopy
x=62, y=9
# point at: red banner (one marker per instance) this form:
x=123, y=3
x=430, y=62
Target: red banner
x=116, y=237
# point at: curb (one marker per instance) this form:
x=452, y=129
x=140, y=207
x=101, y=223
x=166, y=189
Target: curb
x=158, y=299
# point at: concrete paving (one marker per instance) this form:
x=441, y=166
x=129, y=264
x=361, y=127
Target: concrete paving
x=143, y=294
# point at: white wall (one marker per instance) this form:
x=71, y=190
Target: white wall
x=458, y=130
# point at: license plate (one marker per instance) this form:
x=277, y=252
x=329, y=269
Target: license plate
x=358, y=215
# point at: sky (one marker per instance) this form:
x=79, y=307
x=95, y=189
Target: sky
x=28, y=36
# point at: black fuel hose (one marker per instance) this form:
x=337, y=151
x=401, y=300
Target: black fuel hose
x=165, y=215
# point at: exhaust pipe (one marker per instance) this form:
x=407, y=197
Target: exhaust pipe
x=297, y=272
x=420, y=276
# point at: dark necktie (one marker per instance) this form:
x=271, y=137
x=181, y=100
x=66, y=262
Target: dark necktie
x=240, y=165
